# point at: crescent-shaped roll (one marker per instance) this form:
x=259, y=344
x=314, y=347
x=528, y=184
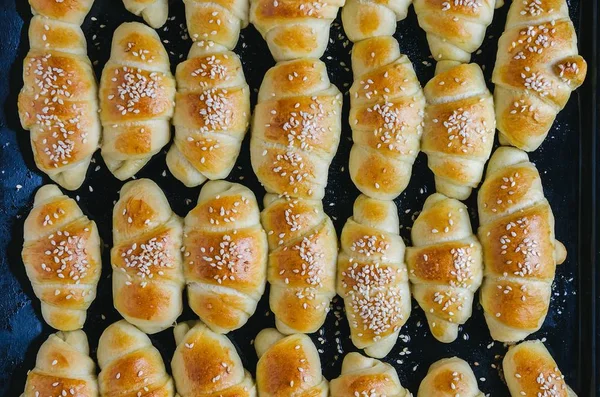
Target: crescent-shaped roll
x=288, y=366
x=455, y=28
x=520, y=251
x=386, y=114
x=137, y=93
x=63, y=367
x=459, y=128
x=146, y=257
x=302, y=259
x=61, y=253
x=372, y=277
x=58, y=103
x=296, y=129
x=444, y=265
x=294, y=29
x=130, y=365
x=449, y=377
x=225, y=255
x=537, y=67
x=206, y=364
x=154, y=12
x=363, y=19
x=365, y=376
x=530, y=370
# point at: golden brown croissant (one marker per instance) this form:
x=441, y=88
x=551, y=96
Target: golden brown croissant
x=364, y=19
x=449, y=377
x=61, y=254
x=154, y=12
x=537, y=68
x=520, y=251
x=71, y=11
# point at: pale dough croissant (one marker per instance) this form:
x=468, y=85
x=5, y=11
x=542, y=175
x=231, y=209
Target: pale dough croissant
x=302, y=261
x=449, y=377
x=386, y=114
x=212, y=105
x=365, y=376
x=58, y=103
x=61, y=254
x=296, y=128
x=146, y=257
x=530, y=370
x=372, y=277
x=455, y=28
x=63, y=365
x=294, y=29
x=225, y=255
x=459, y=128
x=130, y=365
x=206, y=364
x=154, y=12
x=537, y=68
x=288, y=366
x=445, y=265
x=363, y=19
x=137, y=93
x=520, y=251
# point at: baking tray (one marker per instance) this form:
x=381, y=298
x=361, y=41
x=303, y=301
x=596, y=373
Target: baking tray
x=566, y=161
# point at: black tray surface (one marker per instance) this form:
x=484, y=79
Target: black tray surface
x=561, y=159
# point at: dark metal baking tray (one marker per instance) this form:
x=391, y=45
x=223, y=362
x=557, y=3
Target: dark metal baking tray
x=566, y=161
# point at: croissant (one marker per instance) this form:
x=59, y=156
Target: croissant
x=294, y=29
x=58, y=103
x=296, y=129
x=154, y=12
x=530, y=370
x=146, y=257
x=455, y=28
x=449, y=377
x=458, y=134
x=302, y=260
x=63, y=366
x=288, y=366
x=130, y=365
x=225, y=255
x=386, y=114
x=206, y=364
x=537, y=68
x=137, y=93
x=364, y=376
x=520, y=251
x=445, y=265
x=363, y=19
x=62, y=259
x=372, y=277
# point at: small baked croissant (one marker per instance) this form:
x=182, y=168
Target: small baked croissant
x=530, y=370
x=296, y=129
x=154, y=12
x=61, y=254
x=294, y=29
x=365, y=376
x=363, y=19
x=449, y=377
x=216, y=23
x=130, y=365
x=459, y=128
x=455, y=28
x=302, y=257
x=288, y=366
x=146, y=257
x=537, y=68
x=72, y=11
x=63, y=367
x=520, y=251
x=206, y=364
x=225, y=255
x=445, y=265
x=137, y=93
x=372, y=277
x=386, y=114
